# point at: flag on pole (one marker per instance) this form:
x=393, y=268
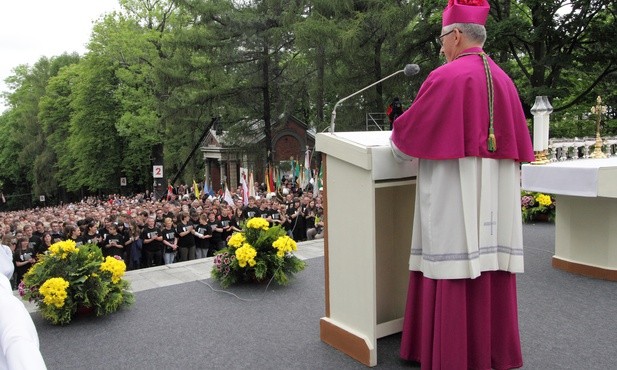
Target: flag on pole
x=277, y=177
x=318, y=182
x=251, y=184
x=243, y=182
x=196, y=189
x=227, y=197
x=307, y=159
x=267, y=179
x=307, y=168
x=271, y=179
x=206, y=190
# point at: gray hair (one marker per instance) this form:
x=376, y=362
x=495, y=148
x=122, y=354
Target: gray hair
x=474, y=32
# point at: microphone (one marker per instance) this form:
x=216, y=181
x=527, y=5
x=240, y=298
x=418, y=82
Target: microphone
x=409, y=70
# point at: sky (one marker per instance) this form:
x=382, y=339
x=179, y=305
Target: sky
x=31, y=29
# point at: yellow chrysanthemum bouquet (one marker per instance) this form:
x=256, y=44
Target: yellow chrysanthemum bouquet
x=258, y=253
x=68, y=278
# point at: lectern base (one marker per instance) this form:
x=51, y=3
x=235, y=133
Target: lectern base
x=354, y=345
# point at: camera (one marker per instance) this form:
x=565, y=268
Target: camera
x=27, y=256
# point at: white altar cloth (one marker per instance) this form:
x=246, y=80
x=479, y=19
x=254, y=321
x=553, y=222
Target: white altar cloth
x=586, y=219
x=581, y=178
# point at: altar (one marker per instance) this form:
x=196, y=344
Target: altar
x=586, y=213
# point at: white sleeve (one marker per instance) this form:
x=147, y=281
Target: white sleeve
x=398, y=155
x=19, y=342
x=6, y=261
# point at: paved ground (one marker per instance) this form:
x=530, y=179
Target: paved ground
x=184, y=272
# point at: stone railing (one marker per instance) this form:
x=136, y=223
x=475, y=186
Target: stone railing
x=562, y=149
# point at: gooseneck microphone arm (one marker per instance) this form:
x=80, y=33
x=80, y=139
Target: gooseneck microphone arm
x=409, y=70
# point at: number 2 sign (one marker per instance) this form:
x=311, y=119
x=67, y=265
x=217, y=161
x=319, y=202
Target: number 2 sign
x=157, y=172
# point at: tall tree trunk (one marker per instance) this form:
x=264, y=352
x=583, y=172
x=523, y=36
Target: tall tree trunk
x=265, y=65
x=378, y=74
x=321, y=66
x=539, y=48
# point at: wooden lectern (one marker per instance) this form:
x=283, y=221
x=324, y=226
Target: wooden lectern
x=369, y=205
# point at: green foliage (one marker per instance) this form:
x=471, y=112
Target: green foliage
x=268, y=263
x=158, y=71
x=534, y=204
x=89, y=282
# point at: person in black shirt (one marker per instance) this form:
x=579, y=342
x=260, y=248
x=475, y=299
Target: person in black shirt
x=203, y=234
x=251, y=210
x=160, y=218
x=56, y=232
x=104, y=230
x=39, y=230
x=186, y=240
x=285, y=220
x=394, y=110
x=113, y=245
x=33, y=240
x=296, y=216
x=264, y=211
x=91, y=235
x=46, y=242
x=134, y=251
x=275, y=214
x=72, y=232
x=170, y=240
x=152, y=246
x=23, y=258
x=226, y=221
x=238, y=219
x=216, y=243
x=310, y=212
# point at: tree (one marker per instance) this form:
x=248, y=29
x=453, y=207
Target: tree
x=559, y=48
x=94, y=145
x=35, y=160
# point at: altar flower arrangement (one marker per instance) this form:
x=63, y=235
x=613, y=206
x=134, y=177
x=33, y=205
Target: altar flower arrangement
x=68, y=278
x=535, y=206
x=257, y=254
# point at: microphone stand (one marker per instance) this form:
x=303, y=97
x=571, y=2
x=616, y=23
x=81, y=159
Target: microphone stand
x=356, y=93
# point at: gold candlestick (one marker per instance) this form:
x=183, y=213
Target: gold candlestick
x=598, y=110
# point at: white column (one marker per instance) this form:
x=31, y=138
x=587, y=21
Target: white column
x=547, y=118
x=539, y=110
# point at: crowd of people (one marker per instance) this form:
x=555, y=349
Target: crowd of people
x=147, y=232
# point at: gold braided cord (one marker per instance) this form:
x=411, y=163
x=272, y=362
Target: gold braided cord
x=491, y=142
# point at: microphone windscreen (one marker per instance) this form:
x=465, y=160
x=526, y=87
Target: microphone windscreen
x=411, y=69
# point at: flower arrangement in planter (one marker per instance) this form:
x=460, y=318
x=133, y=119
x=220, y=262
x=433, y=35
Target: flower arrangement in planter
x=537, y=206
x=68, y=279
x=257, y=254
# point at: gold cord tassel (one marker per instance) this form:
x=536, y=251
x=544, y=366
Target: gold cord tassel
x=492, y=143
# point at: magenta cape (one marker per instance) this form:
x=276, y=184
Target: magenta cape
x=449, y=118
